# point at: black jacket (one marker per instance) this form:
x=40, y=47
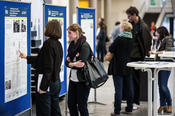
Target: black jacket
x=143, y=39
x=121, y=48
x=48, y=62
x=84, y=51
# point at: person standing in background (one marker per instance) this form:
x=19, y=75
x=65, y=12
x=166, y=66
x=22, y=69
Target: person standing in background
x=116, y=30
x=141, y=46
x=165, y=43
x=101, y=44
x=48, y=66
x=121, y=50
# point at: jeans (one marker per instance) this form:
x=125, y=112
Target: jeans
x=165, y=96
x=78, y=94
x=136, y=84
x=47, y=104
x=120, y=83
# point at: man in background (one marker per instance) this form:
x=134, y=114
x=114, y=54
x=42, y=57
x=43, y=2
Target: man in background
x=141, y=47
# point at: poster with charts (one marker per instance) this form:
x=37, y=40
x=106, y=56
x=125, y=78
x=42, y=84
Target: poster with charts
x=15, y=82
x=86, y=19
x=58, y=15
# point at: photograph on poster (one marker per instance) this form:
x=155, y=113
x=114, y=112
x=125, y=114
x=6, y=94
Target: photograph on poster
x=16, y=26
x=23, y=26
x=8, y=85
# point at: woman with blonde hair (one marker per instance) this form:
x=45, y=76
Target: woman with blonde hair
x=121, y=50
x=78, y=54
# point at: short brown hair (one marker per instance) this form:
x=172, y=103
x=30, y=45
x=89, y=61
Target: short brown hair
x=53, y=29
x=76, y=27
x=126, y=26
x=132, y=10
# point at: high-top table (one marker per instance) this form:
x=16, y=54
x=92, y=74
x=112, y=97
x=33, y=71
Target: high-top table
x=152, y=68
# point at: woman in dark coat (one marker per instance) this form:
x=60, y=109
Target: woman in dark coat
x=47, y=65
x=121, y=49
x=101, y=45
x=165, y=43
x=78, y=53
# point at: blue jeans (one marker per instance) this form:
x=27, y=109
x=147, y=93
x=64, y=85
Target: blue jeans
x=120, y=83
x=77, y=98
x=165, y=96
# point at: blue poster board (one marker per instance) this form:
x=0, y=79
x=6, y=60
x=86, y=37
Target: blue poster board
x=59, y=13
x=86, y=19
x=16, y=18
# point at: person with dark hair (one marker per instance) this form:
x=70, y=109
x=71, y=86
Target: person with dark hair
x=116, y=30
x=165, y=43
x=78, y=54
x=48, y=66
x=142, y=40
x=101, y=44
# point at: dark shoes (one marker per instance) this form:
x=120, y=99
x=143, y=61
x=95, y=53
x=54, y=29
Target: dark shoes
x=113, y=114
x=128, y=109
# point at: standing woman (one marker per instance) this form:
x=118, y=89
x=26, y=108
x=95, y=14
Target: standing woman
x=78, y=53
x=101, y=45
x=121, y=50
x=165, y=43
x=47, y=65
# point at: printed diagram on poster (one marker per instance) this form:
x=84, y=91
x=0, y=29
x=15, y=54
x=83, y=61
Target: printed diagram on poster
x=58, y=15
x=15, y=39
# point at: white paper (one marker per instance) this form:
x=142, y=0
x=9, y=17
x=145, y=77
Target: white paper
x=87, y=26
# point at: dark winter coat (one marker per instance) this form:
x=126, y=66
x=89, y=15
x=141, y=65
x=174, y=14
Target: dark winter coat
x=121, y=48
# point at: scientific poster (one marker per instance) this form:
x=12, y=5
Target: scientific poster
x=87, y=26
x=15, y=72
x=58, y=15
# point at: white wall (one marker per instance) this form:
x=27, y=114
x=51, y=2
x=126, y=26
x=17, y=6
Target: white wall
x=116, y=12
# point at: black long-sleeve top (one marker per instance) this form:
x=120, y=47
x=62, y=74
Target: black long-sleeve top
x=48, y=62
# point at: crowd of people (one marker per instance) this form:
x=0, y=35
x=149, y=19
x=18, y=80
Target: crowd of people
x=132, y=41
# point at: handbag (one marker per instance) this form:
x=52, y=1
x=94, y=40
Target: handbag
x=94, y=72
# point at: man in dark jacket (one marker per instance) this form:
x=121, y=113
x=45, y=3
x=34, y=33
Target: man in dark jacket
x=141, y=47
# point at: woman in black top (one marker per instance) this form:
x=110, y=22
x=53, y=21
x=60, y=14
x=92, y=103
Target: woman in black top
x=47, y=65
x=78, y=53
x=101, y=45
x=165, y=43
x=121, y=50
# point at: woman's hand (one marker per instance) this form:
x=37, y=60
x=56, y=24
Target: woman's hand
x=78, y=64
x=22, y=55
x=154, y=52
x=41, y=91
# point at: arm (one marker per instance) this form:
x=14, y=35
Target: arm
x=48, y=66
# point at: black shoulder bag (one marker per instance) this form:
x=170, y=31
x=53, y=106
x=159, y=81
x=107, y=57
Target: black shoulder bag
x=94, y=72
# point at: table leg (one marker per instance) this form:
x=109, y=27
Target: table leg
x=155, y=91
x=173, y=70
x=149, y=92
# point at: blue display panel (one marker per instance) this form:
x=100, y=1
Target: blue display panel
x=86, y=19
x=59, y=13
x=14, y=72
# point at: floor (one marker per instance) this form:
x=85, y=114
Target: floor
x=105, y=95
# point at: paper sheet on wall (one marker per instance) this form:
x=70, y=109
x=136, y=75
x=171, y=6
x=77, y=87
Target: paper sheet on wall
x=15, y=39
